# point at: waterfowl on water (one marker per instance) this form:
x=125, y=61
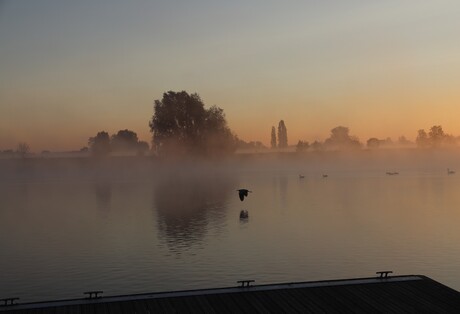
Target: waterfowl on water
x=244, y=214
x=450, y=171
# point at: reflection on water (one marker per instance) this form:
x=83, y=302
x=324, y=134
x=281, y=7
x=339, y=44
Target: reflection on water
x=103, y=191
x=283, y=181
x=186, y=206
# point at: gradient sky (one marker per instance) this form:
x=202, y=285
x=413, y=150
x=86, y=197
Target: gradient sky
x=69, y=69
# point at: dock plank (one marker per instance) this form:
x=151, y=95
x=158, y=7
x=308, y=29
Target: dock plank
x=255, y=304
x=204, y=304
x=309, y=304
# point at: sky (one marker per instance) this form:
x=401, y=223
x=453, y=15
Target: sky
x=69, y=69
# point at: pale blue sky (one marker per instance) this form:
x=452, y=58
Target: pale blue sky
x=383, y=68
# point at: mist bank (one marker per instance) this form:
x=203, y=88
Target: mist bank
x=148, y=168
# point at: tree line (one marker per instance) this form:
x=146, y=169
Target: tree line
x=123, y=141
x=182, y=126
x=340, y=139
x=282, y=136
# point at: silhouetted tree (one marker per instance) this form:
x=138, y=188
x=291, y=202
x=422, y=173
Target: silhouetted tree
x=273, y=138
x=388, y=141
x=142, y=148
x=435, y=138
x=282, y=135
x=376, y=143
x=181, y=124
x=250, y=145
x=317, y=146
x=402, y=140
x=7, y=152
x=124, y=140
x=436, y=135
x=302, y=146
x=23, y=149
x=100, y=144
x=340, y=139
x=450, y=139
x=422, y=139
x=373, y=142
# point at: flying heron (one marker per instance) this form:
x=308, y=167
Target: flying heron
x=242, y=193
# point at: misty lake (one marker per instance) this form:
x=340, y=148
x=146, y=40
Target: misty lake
x=128, y=226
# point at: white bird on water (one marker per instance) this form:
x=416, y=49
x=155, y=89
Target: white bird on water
x=242, y=193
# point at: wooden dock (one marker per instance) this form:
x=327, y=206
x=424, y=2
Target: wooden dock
x=396, y=294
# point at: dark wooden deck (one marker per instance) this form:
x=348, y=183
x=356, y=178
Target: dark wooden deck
x=398, y=294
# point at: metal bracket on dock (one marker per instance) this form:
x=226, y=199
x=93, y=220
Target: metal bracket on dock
x=384, y=274
x=245, y=283
x=8, y=301
x=93, y=294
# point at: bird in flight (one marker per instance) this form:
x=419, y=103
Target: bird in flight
x=242, y=193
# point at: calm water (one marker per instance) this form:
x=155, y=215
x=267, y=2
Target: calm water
x=134, y=229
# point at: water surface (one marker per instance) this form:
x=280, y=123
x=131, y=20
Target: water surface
x=133, y=229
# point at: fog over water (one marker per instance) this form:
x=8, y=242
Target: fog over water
x=132, y=225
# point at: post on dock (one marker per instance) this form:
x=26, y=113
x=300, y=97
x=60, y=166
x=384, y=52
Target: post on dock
x=245, y=283
x=8, y=301
x=384, y=274
x=93, y=294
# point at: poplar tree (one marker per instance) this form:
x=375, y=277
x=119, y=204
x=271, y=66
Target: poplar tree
x=273, y=140
x=282, y=135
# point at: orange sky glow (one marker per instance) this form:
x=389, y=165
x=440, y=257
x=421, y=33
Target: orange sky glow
x=381, y=69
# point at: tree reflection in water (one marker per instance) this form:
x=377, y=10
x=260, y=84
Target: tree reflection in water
x=103, y=192
x=189, y=206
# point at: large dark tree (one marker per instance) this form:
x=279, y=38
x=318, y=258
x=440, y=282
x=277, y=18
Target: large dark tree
x=182, y=125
